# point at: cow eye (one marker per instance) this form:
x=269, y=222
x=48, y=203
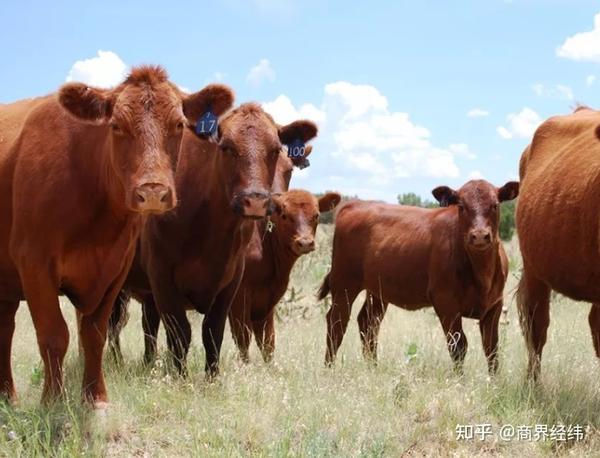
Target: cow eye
x=495, y=206
x=283, y=216
x=179, y=126
x=460, y=207
x=116, y=128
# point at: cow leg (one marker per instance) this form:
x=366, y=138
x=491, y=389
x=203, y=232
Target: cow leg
x=369, y=320
x=8, y=309
x=213, y=325
x=264, y=330
x=455, y=338
x=179, y=336
x=92, y=335
x=533, y=301
x=337, y=319
x=117, y=321
x=594, y=320
x=150, y=325
x=488, y=327
x=240, y=330
x=50, y=328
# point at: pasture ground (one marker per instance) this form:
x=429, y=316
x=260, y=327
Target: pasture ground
x=409, y=403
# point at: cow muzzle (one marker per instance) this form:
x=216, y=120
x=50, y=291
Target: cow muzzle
x=480, y=238
x=153, y=198
x=253, y=204
x=304, y=245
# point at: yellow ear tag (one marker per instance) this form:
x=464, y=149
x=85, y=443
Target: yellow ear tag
x=270, y=225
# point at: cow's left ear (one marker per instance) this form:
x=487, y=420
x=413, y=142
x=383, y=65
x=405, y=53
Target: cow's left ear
x=303, y=130
x=329, y=201
x=87, y=103
x=445, y=196
x=216, y=98
x=509, y=191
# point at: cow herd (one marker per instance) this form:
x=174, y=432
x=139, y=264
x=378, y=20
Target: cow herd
x=182, y=202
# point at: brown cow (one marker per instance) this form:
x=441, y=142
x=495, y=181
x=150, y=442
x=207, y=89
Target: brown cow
x=450, y=258
x=558, y=222
x=269, y=260
x=77, y=172
x=194, y=259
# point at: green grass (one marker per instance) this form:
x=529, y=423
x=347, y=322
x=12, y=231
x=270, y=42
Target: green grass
x=410, y=402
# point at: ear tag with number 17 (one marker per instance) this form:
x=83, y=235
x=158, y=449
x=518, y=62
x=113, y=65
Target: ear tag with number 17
x=207, y=124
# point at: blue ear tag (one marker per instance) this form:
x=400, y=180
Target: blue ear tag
x=207, y=124
x=296, y=149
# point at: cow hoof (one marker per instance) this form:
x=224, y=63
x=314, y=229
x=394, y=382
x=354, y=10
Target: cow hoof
x=101, y=408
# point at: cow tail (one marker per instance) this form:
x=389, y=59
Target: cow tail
x=524, y=316
x=324, y=290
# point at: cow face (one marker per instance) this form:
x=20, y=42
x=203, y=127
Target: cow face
x=297, y=215
x=478, y=207
x=250, y=144
x=146, y=115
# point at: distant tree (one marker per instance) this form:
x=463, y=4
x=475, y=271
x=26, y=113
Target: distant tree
x=507, y=220
x=415, y=200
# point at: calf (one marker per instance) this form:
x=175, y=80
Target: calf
x=79, y=170
x=269, y=260
x=450, y=258
x=194, y=259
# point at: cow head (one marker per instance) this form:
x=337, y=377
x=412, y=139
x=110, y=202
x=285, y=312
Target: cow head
x=296, y=217
x=249, y=147
x=146, y=115
x=478, y=207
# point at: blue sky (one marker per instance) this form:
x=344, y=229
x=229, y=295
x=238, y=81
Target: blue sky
x=408, y=95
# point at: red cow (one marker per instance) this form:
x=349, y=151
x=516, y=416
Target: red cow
x=449, y=258
x=269, y=261
x=78, y=169
x=194, y=259
x=558, y=222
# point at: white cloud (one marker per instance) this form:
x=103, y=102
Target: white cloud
x=590, y=80
x=477, y=113
x=583, y=46
x=385, y=144
x=475, y=175
x=504, y=132
x=368, y=138
x=462, y=150
x=558, y=91
x=284, y=112
x=260, y=73
x=105, y=70
x=522, y=124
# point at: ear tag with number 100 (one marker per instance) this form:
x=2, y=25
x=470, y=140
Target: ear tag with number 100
x=207, y=124
x=296, y=149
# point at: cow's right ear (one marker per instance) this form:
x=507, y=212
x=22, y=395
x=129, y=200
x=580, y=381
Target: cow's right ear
x=445, y=196
x=86, y=103
x=302, y=161
x=216, y=98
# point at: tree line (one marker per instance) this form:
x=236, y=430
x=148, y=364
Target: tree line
x=507, y=212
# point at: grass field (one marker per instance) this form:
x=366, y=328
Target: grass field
x=409, y=403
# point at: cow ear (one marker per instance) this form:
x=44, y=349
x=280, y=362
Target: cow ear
x=86, y=103
x=303, y=162
x=329, y=201
x=303, y=130
x=218, y=98
x=509, y=191
x=445, y=196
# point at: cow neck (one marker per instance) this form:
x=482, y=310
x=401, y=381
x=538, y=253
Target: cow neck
x=281, y=256
x=484, y=265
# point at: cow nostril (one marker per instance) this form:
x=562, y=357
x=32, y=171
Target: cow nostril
x=165, y=195
x=139, y=195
